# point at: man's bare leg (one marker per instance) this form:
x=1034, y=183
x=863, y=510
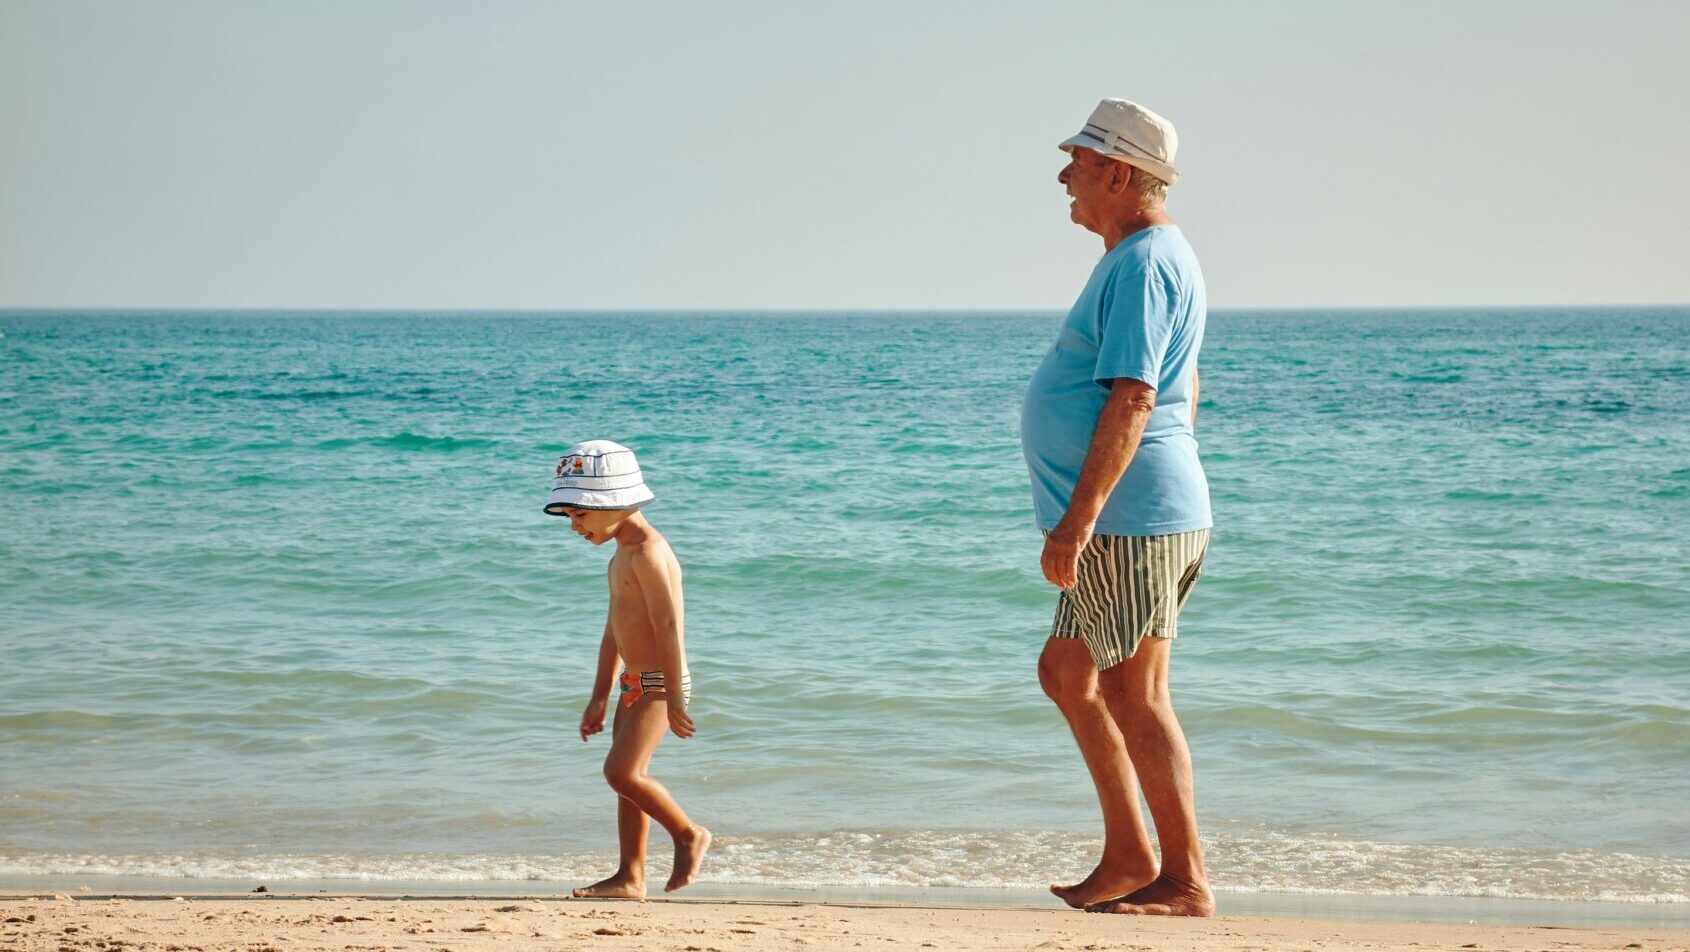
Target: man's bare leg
x=625, y=769
x=1136, y=691
x=1069, y=677
x=632, y=826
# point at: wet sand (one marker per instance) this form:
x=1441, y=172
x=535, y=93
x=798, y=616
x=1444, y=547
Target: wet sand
x=275, y=924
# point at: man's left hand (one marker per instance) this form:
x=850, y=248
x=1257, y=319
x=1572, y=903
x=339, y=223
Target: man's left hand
x=1061, y=558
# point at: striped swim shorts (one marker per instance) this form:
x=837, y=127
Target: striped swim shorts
x=636, y=687
x=1129, y=588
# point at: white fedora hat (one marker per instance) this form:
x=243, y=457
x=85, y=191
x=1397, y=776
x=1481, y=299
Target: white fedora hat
x=1127, y=132
x=597, y=474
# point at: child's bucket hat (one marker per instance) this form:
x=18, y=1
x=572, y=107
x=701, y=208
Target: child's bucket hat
x=597, y=474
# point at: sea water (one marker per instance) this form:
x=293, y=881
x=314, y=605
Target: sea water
x=278, y=601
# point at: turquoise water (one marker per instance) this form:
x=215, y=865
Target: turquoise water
x=277, y=599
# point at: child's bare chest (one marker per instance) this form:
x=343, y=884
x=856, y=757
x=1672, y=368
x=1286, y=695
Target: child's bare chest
x=630, y=619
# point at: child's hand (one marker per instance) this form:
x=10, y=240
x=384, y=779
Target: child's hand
x=592, y=719
x=679, y=722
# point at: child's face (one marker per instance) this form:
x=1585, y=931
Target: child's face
x=595, y=525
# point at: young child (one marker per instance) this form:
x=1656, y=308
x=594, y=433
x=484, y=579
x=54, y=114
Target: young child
x=598, y=485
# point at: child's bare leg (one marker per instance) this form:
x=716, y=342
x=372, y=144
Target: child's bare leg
x=630, y=755
x=631, y=827
x=689, y=856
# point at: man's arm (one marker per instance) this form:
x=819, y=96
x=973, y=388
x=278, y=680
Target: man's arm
x=663, y=609
x=1120, y=425
x=1194, y=394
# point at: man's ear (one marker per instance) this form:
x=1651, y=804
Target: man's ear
x=1120, y=176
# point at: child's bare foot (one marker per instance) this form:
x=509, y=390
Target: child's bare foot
x=689, y=855
x=1104, y=883
x=619, y=886
x=1164, y=897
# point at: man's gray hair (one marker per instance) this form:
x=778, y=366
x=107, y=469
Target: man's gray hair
x=1150, y=187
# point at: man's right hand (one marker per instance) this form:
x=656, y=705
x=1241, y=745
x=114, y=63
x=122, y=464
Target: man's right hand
x=1060, y=559
x=592, y=719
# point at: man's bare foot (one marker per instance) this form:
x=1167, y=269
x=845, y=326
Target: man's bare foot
x=1104, y=883
x=619, y=886
x=690, y=848
x=1164, y=897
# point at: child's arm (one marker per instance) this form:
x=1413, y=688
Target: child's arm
x=592, y=719
x=663, y=607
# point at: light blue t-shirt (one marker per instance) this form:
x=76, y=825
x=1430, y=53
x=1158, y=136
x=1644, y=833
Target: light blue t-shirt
x=1141, y=315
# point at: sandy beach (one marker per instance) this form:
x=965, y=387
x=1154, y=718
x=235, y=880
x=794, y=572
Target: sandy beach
x=262, y=924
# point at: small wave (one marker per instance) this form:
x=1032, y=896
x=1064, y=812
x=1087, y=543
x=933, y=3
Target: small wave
x=254, y=393
x=1593, y=405
x=1496, y=496
x=1242, y=861
x=436, y=444
x=1674, y=484
x=409, y=442
x=312, y=394
x=1607, y=406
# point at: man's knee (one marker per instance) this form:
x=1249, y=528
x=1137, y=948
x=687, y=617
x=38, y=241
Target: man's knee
x=1067, y=675
x=1132, y=698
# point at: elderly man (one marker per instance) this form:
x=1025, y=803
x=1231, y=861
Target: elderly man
x=1107, y=429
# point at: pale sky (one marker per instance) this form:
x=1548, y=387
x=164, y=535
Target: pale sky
x=794, y=155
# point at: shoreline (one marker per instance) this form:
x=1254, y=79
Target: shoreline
x=1405, y=909
x=298, y=922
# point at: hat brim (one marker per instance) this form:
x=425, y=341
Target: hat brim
x=569, y=497
x=1083, y=140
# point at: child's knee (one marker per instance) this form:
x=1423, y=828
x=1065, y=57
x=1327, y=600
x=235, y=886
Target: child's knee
x=622, y=778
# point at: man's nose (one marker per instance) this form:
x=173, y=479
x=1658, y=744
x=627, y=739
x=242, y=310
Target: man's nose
x=1062, y=176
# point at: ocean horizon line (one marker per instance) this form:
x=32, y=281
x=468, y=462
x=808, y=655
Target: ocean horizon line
x=395, y=311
